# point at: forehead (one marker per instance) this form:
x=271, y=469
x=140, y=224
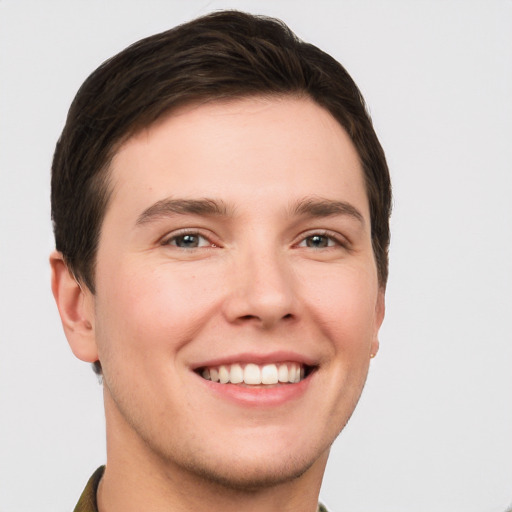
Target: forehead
x=240, y=149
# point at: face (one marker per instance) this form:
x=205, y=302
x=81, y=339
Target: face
x=237, y=301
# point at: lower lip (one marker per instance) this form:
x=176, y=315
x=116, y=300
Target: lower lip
x=259, y=396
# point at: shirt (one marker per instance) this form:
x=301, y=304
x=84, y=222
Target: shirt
x=88, y=503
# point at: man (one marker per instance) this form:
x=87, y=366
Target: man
x=220, y=204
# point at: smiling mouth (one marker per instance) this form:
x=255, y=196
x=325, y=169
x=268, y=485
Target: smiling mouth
x=255, y=374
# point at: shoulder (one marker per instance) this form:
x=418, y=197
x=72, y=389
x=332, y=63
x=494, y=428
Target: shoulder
x=87, y=501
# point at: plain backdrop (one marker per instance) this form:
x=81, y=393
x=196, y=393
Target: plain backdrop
x=433, y=431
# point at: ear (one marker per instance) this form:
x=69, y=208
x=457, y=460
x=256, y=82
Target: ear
x=380, y=310
x=76, y=308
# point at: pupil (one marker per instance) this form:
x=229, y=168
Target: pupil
x=317, y=241
x=187, y=241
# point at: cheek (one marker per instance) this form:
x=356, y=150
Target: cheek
x=152, y=310
x=343, y=304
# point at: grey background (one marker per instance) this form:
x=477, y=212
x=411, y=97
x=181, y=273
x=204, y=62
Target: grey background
x=433, y=431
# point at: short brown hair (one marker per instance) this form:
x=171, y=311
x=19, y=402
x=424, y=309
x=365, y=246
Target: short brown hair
x=226, y=54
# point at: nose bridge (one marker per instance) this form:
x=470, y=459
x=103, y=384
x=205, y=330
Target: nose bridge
x=263, y=285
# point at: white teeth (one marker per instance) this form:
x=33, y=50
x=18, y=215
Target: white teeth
x=291, y=373
x=237, y=374
x=254, y=374
x=283, y=373
x=223, y=374
x=294, y=373
x=269, y=374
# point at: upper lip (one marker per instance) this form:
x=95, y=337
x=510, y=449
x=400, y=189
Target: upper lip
x=258, y=358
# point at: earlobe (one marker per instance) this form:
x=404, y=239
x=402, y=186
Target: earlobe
x=75, y=304
x=380, y=310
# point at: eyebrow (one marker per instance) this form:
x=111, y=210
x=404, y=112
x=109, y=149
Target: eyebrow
x=318, y=207
x=308, y=207
x=167, y=207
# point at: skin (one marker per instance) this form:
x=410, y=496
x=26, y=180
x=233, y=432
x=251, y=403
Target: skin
x=261, y=278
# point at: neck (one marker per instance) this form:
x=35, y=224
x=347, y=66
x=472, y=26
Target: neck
x=133, y=490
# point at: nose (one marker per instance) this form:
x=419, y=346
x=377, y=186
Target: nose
x=262, y=290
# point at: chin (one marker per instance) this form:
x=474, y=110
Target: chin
x=252, y=475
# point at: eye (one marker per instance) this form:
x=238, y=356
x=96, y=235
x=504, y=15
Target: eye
x=188, y=241
x=321, y=241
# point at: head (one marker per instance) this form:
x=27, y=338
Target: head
x=204, y=80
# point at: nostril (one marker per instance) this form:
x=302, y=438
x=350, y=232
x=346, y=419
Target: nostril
x=248, y=317
x=288, y=316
